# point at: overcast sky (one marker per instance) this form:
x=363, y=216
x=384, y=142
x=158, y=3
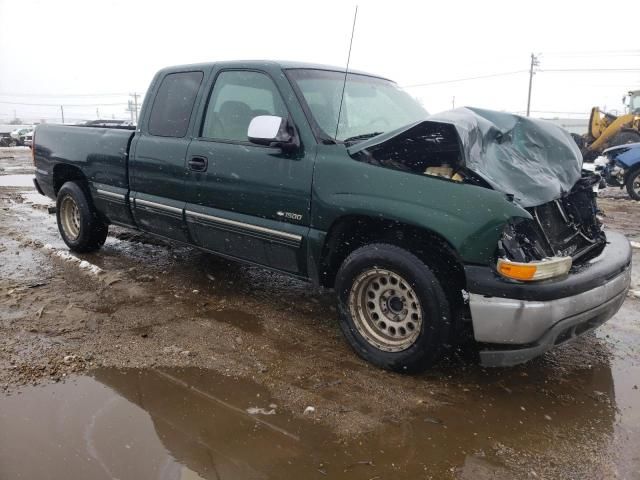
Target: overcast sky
x=60, y=52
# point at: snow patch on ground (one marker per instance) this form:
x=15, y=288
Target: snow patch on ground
x=19, y=167
x=16, y=180
x=34, y=198
x=260, y=411
x=67, y=257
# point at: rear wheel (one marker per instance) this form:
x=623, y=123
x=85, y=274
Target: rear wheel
x=79, y=224
x=633, y=184
x=393, y=310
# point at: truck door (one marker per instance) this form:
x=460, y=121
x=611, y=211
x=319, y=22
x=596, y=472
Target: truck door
x=157, y=163
x=246, y=200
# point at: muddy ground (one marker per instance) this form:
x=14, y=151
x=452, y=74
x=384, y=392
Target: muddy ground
x=153, y=360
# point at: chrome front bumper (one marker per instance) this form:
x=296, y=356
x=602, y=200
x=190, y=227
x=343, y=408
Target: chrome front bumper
x=514, y=330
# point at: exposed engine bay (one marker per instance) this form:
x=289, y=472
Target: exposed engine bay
x=425, y=148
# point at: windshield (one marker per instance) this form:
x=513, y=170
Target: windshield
x=371, y=105
x=634, y=103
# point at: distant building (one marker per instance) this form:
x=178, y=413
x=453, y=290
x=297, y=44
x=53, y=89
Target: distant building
x=573, y=125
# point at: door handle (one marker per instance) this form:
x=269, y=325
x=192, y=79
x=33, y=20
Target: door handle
x=198, y=163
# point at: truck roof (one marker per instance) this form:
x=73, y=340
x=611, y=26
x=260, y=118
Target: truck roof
x=261, y=64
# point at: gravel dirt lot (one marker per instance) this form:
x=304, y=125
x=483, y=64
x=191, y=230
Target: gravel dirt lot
x=153, y=360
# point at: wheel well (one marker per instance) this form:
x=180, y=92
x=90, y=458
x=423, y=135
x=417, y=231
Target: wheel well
x=352, y=232
x=63, y=173
x=632, y=170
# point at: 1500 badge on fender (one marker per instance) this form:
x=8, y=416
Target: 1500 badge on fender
x=290, y=215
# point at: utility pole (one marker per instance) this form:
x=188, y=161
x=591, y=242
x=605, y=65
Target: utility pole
x=130, y=109
x=135, y=105
x=534, y=63
x=62, y=112
x=453, y=102
x=97, y=113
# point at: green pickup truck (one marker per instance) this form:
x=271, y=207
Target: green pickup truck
x=428, y=228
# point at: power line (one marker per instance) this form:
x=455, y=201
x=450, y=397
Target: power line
x=552, y=70
x=74, y=118
x=465, y=79
x=594, y=53
x=552, y=111
x=65, y=104
x=61, y=95
x=588, y=70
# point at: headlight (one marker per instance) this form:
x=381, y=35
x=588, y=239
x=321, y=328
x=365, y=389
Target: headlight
x=532, y=271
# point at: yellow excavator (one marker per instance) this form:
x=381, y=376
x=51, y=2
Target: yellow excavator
x=608, y=130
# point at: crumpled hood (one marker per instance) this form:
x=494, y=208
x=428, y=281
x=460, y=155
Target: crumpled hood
x=534, y=160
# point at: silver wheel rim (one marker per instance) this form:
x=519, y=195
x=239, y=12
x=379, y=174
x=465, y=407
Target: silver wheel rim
x=70, y=217
x=636, y=184
x=385, y=309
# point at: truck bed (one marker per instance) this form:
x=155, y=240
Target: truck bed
x=100, y=153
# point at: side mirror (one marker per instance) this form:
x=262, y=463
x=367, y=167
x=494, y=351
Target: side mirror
x=270, y=130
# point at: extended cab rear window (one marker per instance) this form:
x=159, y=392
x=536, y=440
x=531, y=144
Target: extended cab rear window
x=173, y=104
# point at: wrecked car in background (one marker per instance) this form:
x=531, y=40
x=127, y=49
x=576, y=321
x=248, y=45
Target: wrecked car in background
x=426, y=227
x=620, y=167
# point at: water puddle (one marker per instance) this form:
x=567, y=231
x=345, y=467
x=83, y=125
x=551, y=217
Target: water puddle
x=22, y=266
x=16, y=180
x=169, y=424
x=243, y=320
x=193, y=423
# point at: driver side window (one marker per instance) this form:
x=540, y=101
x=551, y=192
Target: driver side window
x=237, y=97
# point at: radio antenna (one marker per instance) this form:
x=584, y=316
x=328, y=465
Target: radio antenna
x=346, y=71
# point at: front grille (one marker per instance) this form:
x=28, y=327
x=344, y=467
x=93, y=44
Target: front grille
x=568, y=226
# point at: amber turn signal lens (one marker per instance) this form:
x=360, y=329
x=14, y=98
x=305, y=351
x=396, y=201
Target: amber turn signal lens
x=542, y=270
x=517, y=271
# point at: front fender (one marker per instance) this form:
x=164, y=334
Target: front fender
x=626, y=156
x=470, y=218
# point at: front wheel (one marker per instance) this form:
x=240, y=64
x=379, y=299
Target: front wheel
x=393, y=310
x=79, y=224
x=633, y=184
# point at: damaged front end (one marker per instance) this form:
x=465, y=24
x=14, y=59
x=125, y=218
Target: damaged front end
x=565, y=227
x=553, y=275
x=534, y=163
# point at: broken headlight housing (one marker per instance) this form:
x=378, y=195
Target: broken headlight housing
x=524, y=256
x=522, y=242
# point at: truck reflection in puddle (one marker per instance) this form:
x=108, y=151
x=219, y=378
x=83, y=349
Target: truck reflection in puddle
x=193, y=423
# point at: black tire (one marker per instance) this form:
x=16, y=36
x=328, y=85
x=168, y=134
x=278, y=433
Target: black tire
x=88, y=232
x=633, y=184
x=435, y=317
